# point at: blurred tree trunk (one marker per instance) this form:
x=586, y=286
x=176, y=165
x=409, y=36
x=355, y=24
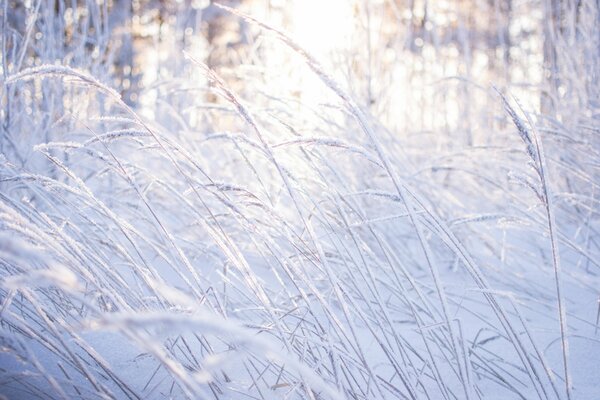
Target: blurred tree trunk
x=499, y=39
x=125, y=73
x=228, y=37
x=551, y=29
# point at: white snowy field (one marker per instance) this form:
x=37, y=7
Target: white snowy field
x=406, y=213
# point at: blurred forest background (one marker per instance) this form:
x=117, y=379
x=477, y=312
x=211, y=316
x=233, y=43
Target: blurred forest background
x=419, y=64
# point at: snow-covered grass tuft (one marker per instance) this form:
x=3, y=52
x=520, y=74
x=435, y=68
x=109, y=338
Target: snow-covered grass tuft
x=231, y=242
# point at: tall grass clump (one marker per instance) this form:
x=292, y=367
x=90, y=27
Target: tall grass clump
x=179, y=225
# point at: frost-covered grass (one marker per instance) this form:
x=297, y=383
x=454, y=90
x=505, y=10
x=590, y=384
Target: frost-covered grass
x=262, y=246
